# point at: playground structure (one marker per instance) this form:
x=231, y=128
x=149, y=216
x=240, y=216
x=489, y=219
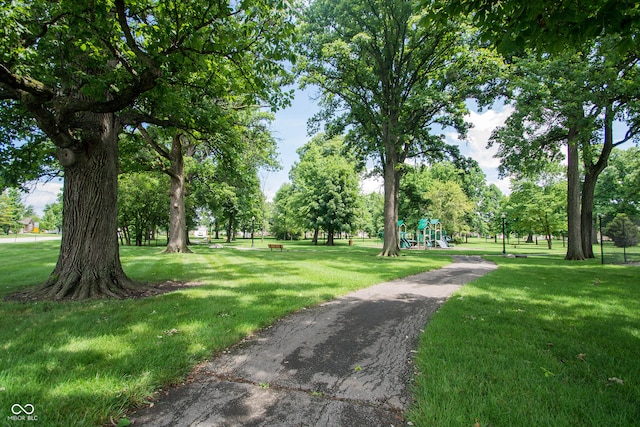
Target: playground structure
x=429, y=234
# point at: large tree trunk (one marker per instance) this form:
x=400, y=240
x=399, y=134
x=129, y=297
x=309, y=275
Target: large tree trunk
x=592, y=172
x=391, y=245
x=574, y=245
x=547, y=228
x=392, y=159
x=89, y=262
x=178, y=238
x=230, y=228
x=586, y=221
x=330, y=234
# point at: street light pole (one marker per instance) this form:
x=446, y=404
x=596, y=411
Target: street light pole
x=601, y=246
x=504, y=247
x=253, y=220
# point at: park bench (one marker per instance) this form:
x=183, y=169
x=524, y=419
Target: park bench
x=273, y=246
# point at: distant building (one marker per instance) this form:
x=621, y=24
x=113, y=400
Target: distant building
x=201, y=231
x=27, y=225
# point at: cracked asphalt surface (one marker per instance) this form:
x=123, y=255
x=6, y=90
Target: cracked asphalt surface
x=347, y=362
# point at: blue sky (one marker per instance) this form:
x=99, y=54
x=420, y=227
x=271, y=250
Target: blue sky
x=290, y=131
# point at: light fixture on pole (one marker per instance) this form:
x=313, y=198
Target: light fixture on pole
x=601, y=247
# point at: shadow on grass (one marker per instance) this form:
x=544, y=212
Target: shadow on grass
x=78, y=363
x=540, y=341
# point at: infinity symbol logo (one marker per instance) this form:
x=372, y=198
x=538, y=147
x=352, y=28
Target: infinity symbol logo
x=18, y=409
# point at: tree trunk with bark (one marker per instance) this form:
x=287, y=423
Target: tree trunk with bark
x=330, y=234
x=230, y=228
x=574, y=239
x=178, y=239
x=592, y=172
x=547, y=228
x=89, y=261
x=392, y=173
x=586, y=220
x=391, y=245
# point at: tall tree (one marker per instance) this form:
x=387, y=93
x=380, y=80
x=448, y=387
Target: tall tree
x=571, y=99
x=80, y=72
x=326, y=186
x=536, y=209
x=615, y=83
x=450, y=205
x=52, y=219
x=171, y=152
x=226, y=164
x=391, y=81
x=489, y=209
x=286, y=222
x=413, y=203
x=373, y=203
x=142, y=204
x=11, y=209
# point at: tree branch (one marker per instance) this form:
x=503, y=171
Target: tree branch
x=16, y=84
x=124, y=25
x=158, y=149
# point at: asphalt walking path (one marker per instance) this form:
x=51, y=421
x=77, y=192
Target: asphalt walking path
x=347, y=362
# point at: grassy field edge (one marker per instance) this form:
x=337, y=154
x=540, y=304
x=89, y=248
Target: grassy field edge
x=539, y=341
x=86, y=363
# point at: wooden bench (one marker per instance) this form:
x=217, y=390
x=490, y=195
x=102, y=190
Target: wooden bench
x=273, y=246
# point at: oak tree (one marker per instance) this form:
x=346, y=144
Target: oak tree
x=80, y=72
x=390, y=83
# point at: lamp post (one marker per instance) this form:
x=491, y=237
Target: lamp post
x=253, y=220
x=601, y=246
x=624, y=242
x=504, y=247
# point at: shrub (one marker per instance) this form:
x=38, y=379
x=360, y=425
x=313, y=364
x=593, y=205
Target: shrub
x=623, y=231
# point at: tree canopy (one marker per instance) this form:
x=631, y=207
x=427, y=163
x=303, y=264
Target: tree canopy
x=326, y=186
x=546, y=25
x=78, y=73
x=390, y=83
x=618, y=189
x=570, y=101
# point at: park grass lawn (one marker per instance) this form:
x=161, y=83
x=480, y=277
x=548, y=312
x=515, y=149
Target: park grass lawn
x=85, y=363
x=538, y=342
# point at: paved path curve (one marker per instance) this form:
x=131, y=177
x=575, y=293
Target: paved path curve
x=29, y=239
x=343, y=363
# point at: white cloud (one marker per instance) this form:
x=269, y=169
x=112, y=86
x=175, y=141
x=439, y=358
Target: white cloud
x=374, y=184
x=42, y=194
x=503, y=184
x=478, y=136
x=475, y=145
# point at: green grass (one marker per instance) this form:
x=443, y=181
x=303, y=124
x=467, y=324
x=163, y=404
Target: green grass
x=538, y=342
x=81, y=363
x=533, y=343
x=616, y=255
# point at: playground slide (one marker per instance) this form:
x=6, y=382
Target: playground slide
x=442, y=243
x=404, y=243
